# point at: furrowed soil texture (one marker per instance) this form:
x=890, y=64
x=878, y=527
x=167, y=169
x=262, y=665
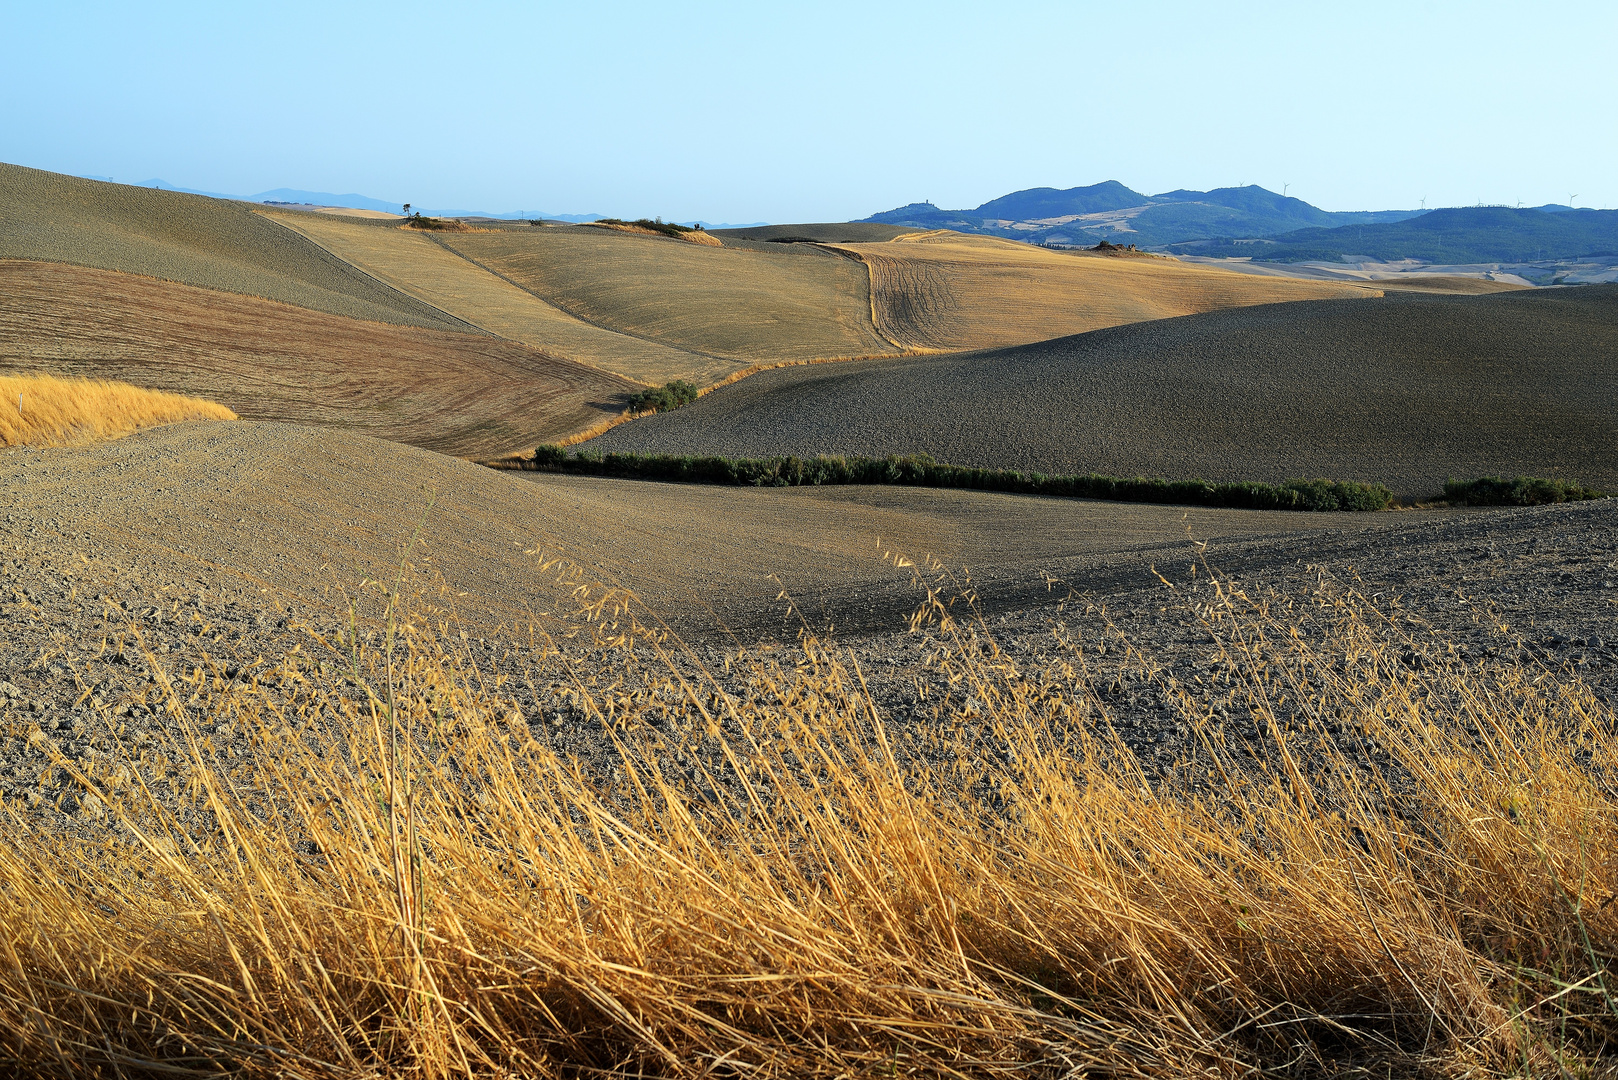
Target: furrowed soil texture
x=416, y=263
x=192, y=239
x=735, y=305
x=456, y=393
x=162, y=599
x=1406, y=391
x=942, y=291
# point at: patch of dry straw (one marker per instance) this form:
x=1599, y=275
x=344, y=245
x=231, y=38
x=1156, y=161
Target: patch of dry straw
x=1403, y=865
x=44, y=410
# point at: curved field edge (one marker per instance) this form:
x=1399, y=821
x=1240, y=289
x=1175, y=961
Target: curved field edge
x=1404, y=390
x=43, y=410
x=455, y=393
x=438, y=274
x=919, y=470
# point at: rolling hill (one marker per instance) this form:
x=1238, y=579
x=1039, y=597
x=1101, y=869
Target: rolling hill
x=941, y=291
x=456, y=393
x=418, y=264
x=731, y=306
x=542, y=332
x=1405, y=390
x=190, y=239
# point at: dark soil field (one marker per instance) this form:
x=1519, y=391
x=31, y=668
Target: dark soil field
x=1405, y=391
x=192, y=239
x=222, y=542
x=466, y=394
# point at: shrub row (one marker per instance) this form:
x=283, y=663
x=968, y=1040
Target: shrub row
x=922, y=471
x=1516, y=491
x=663, y=398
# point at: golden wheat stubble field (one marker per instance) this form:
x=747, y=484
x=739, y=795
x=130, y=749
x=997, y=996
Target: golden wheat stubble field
x=457, y=393
x=944, y=291
x=417, y=263
x=737, y=306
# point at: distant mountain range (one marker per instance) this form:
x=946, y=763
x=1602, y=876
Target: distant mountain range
x=1463, y=234
x=1084, y=216
x=1256, y=223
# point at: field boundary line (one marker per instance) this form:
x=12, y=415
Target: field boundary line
x=387, y=285
x=870, y=295
x=580, y=318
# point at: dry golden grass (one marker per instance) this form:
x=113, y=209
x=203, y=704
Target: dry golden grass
x=414, y=264
x=410, y=881
x=946, y=291
x=735, y=306
x=695, y=237
x=43, y=410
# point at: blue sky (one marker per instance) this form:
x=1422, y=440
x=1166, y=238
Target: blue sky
x=822, y=111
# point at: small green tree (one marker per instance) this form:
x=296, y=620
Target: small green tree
x=663, y=398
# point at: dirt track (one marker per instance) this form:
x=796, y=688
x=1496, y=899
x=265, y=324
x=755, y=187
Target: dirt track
x=1405, y=390
x=456, y=393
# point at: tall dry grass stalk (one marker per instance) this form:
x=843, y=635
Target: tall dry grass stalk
x=44, y=410
x=407, y=878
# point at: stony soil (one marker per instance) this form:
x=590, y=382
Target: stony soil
x=1405, y=390
x=218, y=548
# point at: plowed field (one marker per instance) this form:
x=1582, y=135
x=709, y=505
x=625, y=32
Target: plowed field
x=731, y=305
x=193, y=239
x=416, y=263
x=942, y=291
x=456, y=393
x=1404, y=390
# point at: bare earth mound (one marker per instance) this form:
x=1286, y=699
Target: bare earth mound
x=452, y=392
x=945, y=291
x=193, y=239
x=1404, y=390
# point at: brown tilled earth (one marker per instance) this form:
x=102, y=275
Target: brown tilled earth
x=224, y=545
x=465, y=394
x=1406, y=391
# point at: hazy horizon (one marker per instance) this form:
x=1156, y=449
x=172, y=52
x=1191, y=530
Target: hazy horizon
x=733, y=114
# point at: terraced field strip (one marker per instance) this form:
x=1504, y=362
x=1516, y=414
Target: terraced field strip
x=456, y=393
x=942, y=291
x=415, y=264
x=738, y=306
x=213, y=243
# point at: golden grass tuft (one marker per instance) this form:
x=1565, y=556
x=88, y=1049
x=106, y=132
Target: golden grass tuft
x=44, y=410
x=408, y=879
